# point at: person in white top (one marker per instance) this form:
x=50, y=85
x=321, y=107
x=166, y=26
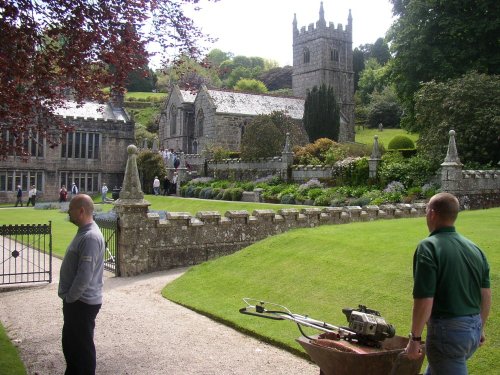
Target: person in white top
x=104, y=191
x=156, y=186
x=31, y=196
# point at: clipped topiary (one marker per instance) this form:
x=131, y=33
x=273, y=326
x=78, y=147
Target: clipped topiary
x=400, y=142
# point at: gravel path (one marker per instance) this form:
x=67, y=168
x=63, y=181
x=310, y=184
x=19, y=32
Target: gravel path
x=138, y=332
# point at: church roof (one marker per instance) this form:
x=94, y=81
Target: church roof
x=250, y=104
x=253, y=104
x=92, y=110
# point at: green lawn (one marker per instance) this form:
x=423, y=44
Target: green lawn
x=10, y=363
x=319, y=271
x=146, y=96
x=63, y=231
x=366, y=135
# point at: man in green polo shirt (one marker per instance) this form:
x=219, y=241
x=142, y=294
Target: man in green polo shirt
x=451, y=292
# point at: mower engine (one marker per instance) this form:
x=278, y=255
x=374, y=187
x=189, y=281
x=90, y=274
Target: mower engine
x=370, y=328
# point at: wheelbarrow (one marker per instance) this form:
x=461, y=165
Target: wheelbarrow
x=368, y=346
x=340, y=357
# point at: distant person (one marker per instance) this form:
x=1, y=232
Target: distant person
x=80, y=287
x=173, y=185
x=156, y=186
x=63, y=194
x=104, y=191
x=19, y=196
x=31, y=196
x=166, y=185
x=451, y=292
x=74, y=189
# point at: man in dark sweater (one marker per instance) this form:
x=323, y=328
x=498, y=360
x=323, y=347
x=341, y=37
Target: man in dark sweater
x=80, y=287
x=451, y=292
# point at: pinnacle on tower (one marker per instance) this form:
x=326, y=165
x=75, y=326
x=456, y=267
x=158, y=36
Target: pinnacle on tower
x=349, y=21
x=321, y=21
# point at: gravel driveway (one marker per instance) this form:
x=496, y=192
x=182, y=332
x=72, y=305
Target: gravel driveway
x=138, y=332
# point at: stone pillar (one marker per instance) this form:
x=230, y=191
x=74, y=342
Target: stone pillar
x=375, y=159
x=155, y=145
x=287, y=158
x=132, y=211
x=451, y=168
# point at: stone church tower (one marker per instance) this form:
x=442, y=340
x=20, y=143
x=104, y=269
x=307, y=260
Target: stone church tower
x=323, y=54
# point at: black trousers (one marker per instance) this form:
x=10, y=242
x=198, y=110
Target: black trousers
x=78, y=337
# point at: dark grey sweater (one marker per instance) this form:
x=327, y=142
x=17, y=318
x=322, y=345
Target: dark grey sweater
x=82, y=267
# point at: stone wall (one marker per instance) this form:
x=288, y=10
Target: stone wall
x=474, y=188
x=149, y=244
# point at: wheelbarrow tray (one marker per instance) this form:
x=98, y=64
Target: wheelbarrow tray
x=340, y=357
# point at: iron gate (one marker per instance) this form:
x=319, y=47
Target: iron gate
x=26, y=253
x=109, y=228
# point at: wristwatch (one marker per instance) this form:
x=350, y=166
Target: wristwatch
x=415, y=338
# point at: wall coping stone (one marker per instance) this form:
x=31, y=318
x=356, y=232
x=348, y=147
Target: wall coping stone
x=204, y=215
x=311, y=211
x=264, y=213
x=353, y=208
x=178, y=215
x=237, y=214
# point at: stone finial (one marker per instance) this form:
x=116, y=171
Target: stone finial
x=144, y=144
x=452, y=153
x=131, y=188
x=155, y=145
x=288, y=148
x=376, y=150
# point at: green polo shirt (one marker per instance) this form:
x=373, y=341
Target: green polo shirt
x=451, y=269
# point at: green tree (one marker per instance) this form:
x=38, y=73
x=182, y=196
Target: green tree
x=384, y=108
x=321, y=114
x=190, y=74
x=380, y=51
x=372, y=79
x=261, y=139
x=265, y=135
x=149, y=165
x=470, y=105
x=143, y=80
x=438, y=40
x=250, y=85
x=216, y=57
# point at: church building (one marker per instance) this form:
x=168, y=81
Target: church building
x=322, y=54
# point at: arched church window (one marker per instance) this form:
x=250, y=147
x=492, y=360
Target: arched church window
x=307, y=55
x=200, y=119
x=173, y=120
x=334, y=54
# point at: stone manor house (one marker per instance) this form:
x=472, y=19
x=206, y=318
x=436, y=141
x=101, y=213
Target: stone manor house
x=193, y=121
x=96, y=152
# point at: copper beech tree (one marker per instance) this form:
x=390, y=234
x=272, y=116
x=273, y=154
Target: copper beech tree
x=49, y=48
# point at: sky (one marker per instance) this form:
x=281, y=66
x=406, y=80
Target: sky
x=263, y=28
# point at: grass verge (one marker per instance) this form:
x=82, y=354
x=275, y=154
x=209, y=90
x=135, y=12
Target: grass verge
x=319, y=271
x=10, y=362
